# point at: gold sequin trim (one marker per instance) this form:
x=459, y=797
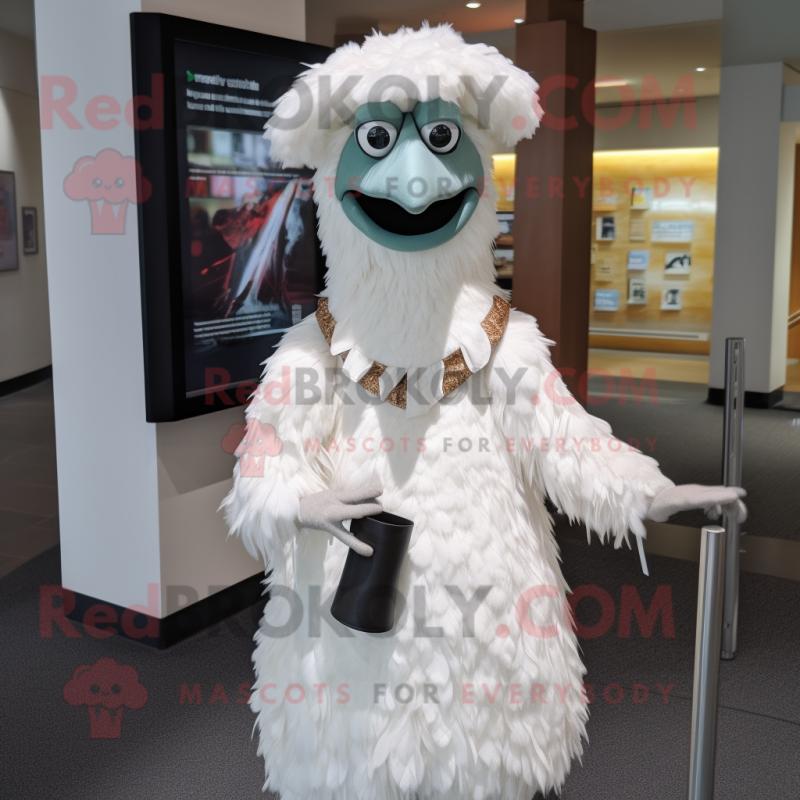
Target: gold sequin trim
x=494, y=323
x=456, y=371
x=397, y=397
x=325, y=319
x=371, y=380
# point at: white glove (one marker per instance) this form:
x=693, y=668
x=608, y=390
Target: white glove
x=325, y=511
x=714, y=500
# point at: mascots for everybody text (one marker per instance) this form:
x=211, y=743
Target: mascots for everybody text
x=416, y=389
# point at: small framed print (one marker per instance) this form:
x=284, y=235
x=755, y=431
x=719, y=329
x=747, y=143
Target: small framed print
x=605, y=201
x=671, y=300
x=605, y=229
x=637, y=231
x=678, y=230
x=606, y=300
x=30, y=231
x=638, y=259
x=678, y=263
x=641, y=198
x=637, y=292
x=604, y=268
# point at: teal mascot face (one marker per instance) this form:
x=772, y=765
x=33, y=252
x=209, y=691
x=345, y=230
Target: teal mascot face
x=409, y=181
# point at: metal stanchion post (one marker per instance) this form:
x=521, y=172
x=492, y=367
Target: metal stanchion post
x=732, y=476
x=706, y=664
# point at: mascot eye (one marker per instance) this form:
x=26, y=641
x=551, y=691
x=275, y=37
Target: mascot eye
x=441, y=137
x=376, y=139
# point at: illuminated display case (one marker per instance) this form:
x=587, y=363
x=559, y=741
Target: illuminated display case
x=652, y=256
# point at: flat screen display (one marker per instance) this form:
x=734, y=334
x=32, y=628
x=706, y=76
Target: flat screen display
x=230, y=257
x=248, y=249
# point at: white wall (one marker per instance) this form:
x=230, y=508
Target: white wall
x=106, y=452
x=24, y=315
x=138, y=501
x=754, y=191
x=753, y=236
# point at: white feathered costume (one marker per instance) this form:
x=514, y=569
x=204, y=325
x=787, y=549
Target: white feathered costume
x=440, y=708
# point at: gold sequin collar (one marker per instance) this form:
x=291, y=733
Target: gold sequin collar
x=453, y=368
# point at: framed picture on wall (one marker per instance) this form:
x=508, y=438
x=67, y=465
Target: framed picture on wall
x=637, y=231
x=637, y=292
x=678, y=263
x=30, y=231
x=604, y=267
x=671, y=300
x=605, y=229
x=679, y=230
x=604, y=201
x=638, y=259
x=504, y=243
x=606, y=300
x=640, y=198
x=9, y=250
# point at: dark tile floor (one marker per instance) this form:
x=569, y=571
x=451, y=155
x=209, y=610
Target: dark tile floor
x=28, y=488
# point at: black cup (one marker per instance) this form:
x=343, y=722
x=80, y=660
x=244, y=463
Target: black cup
x=367, y=593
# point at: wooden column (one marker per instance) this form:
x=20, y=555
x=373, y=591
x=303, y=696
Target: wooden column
x=553, y=195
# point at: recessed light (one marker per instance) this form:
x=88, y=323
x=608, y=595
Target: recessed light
x=609, y=84
x=473, y=5
x=701, y=69
x=518, y=21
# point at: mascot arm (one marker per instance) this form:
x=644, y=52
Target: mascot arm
x=283, y=456
x=561, y=449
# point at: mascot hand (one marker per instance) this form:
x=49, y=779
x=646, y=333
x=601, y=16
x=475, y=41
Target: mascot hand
x=714, y=500
x=326, y=511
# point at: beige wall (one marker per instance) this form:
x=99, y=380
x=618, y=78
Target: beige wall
x=24, y=316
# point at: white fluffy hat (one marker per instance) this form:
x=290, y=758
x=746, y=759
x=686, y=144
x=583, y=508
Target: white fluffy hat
x=403, y=67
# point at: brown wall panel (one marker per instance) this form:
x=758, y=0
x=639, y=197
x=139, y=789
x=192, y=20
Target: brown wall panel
x=552, y=216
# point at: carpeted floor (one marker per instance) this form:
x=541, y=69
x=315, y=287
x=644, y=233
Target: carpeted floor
x=173, y=749
x=28, y=494
x=685, y=437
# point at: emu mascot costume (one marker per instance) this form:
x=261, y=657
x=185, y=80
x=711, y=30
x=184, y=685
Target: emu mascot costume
x=417, y=390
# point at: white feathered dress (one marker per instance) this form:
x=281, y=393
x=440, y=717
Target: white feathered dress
x=446, y=706
x=344, y=714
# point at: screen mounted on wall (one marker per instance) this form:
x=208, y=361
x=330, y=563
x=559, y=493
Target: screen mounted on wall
x=229, y=253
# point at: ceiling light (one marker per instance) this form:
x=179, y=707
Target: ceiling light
x=473, y=5
x=701, y=69
x=518, y=21
x=609, y=84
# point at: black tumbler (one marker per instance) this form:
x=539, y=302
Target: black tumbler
x=367, y=593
